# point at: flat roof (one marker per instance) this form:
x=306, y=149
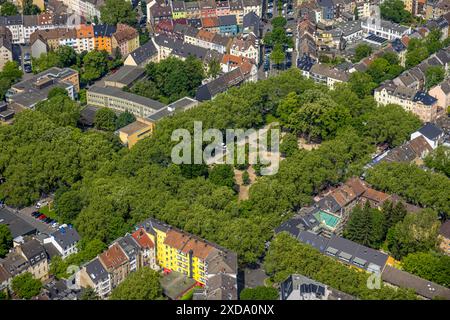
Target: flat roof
x=118, y=93
x=126, y=75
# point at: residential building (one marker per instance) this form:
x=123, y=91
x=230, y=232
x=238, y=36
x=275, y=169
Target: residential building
x=414, y=150
x=252, y=24
x=36, y=256
x=142, y=55
x=65, y=240
x=132, y=250
x=148, y=253
x=28, y=93
x=181, y=252
x=115, y=262
x=88, y=9
x=384, y=28
x=210, y=24
x=246, y=46
x=418, y=102
x=299, y=287
x=207, y=8
x=252, y=6
x=119, y=100
x=441, y=92
x=432, y=134
x=433, y=9
x=14, y=264
x=228, y=25
x=326, y=75
x=220, y=287
x=125, y=39
x=18, y=227
x=178, y=10
x=43, y=41
x=237, y=9
x=95, y=276
x=219, y=85
x=6, y=49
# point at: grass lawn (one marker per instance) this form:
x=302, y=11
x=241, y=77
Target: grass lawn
x=49, y=213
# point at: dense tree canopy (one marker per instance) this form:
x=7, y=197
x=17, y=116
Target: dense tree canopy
x=60, y=109
x=117, y=11
x=419, y=187
x=6, y=240
x=439, y=160
x=362, y=50
x=8, y=9
x=394, y=10
x=431, y=266
x=25, y=286
x=105, y=119
x=140, y=285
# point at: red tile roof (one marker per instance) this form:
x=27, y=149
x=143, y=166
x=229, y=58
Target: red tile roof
x=143, y=239
x=113, y=257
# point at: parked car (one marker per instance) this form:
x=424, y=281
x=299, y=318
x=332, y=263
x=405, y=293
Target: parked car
x=35, y=213
x=27, y=68
x=47, y=220
x=42, y=217
x=27, y=56
x=38, y=215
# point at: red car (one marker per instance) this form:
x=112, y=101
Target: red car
x=42, y=217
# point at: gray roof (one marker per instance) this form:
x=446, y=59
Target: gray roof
x=219, y=85
x=15, y=263
x=179, y=105
x=355, y=250
x=329, y=203
x=51, y=250
x=430, y=131
x=129, y=245
x=96, y=271
x=421, y=286
x=16, y=225
x=66, y=237
x=251, y=19
x=144, y=53
x=180, y=48
x=33, y=251
x=222, y=287
x=314, y=240
x=115, y=92
x=227, y=20
x=126, y=75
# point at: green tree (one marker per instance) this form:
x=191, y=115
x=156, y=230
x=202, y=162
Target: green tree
x=278, y=22
x=362, y=84
x=57, y=91
x=364, y=226
x=433, y=75
x=67, y=205
x=124, y=119
x=25, y=286
x=259, y=293
x=214, y=68
x=67, y=56
x=116, y=11
x=45, y=61
x=30, y=8
x=60, y=108
x=8, y=9
x=222, y=175
x=415, y=56
x=140, y=285
x=289, y=145
x=417, y=232
x=428, y=265
x=89, y=294
x=11, y=71
x=245, y=178
x=362, y=50
x=95, y=64
x=6, y=240
x=439, y=160
x=105, y=119
x=394, y=10
x=277, y=56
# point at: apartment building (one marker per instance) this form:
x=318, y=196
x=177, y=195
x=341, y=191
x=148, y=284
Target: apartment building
x=65, y=240
x=147, y=251
x=95, y=276
x=116, y=263
x=246, y=46
x=88, y=9
x=179, y=251
x=43, y=41
x=384, y=28
x=326, y=75
x=5, y=46
x=415, y=101
x=36, y=256
x=22, y=26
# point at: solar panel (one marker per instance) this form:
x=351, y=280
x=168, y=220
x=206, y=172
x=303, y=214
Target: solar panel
x=313, y=287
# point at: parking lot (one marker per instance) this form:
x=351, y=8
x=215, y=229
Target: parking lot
x=25, y=214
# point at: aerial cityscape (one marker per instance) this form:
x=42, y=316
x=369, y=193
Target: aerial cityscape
x=224, y=150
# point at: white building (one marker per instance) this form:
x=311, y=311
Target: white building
x=432, y=134
x=65, y=240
